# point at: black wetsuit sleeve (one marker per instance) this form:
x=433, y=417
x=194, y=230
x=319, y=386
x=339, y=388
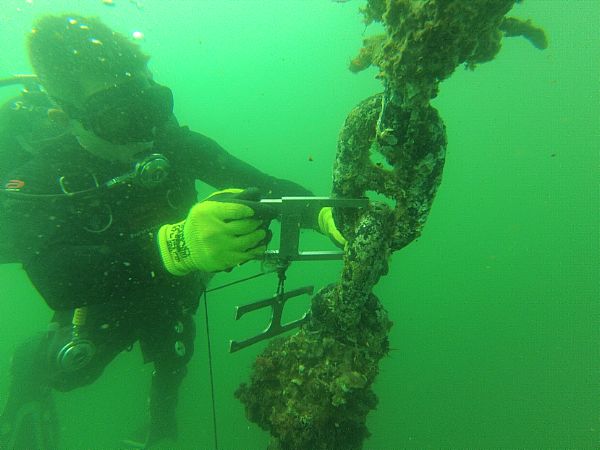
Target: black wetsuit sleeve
x=73, y=274
x=218, y=168
x=15, y=217
x=68, y=265
x=18, y=230
x=25, y=224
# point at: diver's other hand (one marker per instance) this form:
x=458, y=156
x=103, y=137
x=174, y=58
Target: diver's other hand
x=328, y=228
x=228, y=228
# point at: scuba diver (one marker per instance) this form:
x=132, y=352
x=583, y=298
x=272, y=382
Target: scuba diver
x=98, y=204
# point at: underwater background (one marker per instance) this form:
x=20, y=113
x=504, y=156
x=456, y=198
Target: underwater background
x=496, y=306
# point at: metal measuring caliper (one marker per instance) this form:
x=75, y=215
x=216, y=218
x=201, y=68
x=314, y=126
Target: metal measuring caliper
x=292, y=213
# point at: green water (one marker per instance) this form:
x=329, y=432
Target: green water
x=496, y=306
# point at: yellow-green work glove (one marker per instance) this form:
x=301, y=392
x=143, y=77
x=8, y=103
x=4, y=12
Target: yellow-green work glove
x=220, y=232
x=328, y=228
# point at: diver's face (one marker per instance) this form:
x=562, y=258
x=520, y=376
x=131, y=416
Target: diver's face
x=118, y=116
x=89, y=140
x=104, y=149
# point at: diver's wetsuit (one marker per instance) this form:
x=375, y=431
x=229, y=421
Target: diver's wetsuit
x=100, y=251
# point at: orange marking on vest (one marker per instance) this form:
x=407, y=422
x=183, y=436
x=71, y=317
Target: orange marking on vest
x=14, y=185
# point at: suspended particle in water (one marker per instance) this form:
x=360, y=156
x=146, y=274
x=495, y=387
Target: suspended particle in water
x=137, y=35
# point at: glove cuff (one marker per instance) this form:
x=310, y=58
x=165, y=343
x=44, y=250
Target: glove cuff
x=328, y=228
x=172, y=248
x=324, y=220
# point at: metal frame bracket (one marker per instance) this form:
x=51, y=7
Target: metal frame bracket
x=275, y=327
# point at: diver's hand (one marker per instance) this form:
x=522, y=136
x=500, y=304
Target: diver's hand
x=226, y=229
x=328, y=228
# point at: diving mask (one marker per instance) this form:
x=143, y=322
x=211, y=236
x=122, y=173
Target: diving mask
x=128, y=112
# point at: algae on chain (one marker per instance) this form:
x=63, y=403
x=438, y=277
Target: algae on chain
x=313, y=390
x=440, y=26
x=511, y=26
